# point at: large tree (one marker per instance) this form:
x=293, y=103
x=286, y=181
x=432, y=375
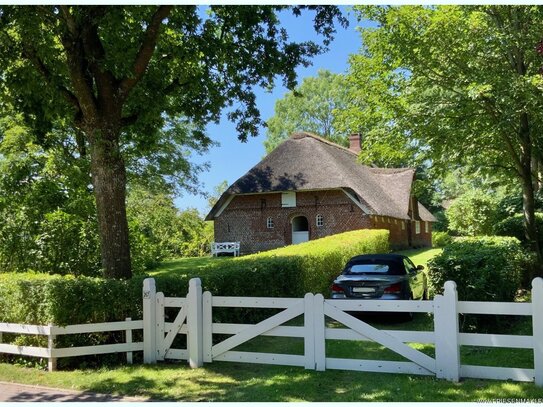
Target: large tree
x=459, y=83
x=312, y=107
x=116, y=74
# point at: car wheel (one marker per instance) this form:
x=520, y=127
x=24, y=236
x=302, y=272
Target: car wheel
x=425, y=295
x=408, y=316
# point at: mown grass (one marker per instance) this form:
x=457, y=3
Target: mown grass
x=421, y=256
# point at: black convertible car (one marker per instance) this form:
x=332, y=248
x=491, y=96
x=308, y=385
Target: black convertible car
x=380, y=276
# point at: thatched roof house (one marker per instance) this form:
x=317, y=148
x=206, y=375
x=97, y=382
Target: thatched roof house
x=321, y=182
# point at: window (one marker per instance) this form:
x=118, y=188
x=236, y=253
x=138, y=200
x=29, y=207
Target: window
x=403, y=224
x=319, y=221
x=426, y=227
x=417, y=227
x=288, y=199
x=269, y=223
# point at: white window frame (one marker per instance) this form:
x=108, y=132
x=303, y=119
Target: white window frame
x=319, y=220
x=403, y=224
x=288, y=199
x=426, y=227
x=417, y=227
x=269, y=223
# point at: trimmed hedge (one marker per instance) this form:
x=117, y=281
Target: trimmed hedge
x=484, y=268
x=287, y=272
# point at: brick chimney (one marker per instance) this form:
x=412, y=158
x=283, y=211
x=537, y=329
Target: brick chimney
x=355, y=142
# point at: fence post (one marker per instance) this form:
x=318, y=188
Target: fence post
x=128, y=335
x=207, y=340
x=309, y=332
x=537, y=328
x=446, y=333
x=320, y=339
x=195, y=324
x=149, y=320
x=159, y=326
x=52, y=361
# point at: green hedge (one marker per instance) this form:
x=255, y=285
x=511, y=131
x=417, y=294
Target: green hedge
x=287, y=272
x=484, y=268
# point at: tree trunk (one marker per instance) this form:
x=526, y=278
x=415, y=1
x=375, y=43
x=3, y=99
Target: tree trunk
x=109, y=182
x=528, y=200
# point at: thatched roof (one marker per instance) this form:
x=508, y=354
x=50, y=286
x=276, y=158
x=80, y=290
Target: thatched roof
x=308, y=162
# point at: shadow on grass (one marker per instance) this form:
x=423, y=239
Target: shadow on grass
x=236, y=382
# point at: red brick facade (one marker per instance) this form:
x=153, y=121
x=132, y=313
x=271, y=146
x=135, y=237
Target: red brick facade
x=245, y=219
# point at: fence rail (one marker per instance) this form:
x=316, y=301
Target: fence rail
x=205, y=339
x=52, y=353
x=445, y=337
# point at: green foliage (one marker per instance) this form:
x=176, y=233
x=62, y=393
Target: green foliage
x=514, y=226
x=141, y=100
x=472, y=214
x=67, y=244
x=158, y=230
x=441, y=239
x=484, y=268
x=452, y=86
x=292, y=271
x=310, y=107
x=289, y=272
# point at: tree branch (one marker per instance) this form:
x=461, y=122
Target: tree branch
x=105, y=81
x=145, y=52
x=30, y=53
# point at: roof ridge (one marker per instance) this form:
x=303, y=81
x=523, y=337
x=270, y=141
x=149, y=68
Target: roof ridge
x=302, y=134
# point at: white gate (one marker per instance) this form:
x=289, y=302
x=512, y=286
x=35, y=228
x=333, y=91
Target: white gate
x=195, y=320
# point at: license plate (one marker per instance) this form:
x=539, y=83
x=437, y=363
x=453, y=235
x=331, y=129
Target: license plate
x=363, y=290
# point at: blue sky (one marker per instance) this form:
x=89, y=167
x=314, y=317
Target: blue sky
x=232, y=158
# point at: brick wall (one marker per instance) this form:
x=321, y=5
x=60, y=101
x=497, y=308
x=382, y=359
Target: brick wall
x=245, y=220
x=422, y=239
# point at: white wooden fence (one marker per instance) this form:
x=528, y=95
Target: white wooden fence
x=195, y=320
x=196, y=315
x=51, y=353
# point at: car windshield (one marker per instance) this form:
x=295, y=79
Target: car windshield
x=374, y=267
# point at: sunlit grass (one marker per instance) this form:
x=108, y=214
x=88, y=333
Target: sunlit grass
x=233, y=382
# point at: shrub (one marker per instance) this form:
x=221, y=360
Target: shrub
x=441, y=239
x=514, y=226
x=472, y=214
x=484, y=268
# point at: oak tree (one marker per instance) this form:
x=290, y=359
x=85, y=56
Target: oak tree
x=115, y=74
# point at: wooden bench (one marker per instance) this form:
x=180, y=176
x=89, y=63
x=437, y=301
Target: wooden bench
x=224, y=247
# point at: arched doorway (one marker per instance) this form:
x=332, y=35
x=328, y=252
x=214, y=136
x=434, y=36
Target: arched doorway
x=300, y=229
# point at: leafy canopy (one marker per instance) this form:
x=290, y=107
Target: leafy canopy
x=310, y=107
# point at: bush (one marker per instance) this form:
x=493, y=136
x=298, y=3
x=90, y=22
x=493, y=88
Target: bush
x=441, y=239
x=484, y=268
x=514, y=226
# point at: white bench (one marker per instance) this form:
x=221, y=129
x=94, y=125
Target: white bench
x=224, y=247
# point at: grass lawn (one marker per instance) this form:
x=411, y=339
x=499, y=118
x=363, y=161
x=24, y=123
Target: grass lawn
x=421, y=256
